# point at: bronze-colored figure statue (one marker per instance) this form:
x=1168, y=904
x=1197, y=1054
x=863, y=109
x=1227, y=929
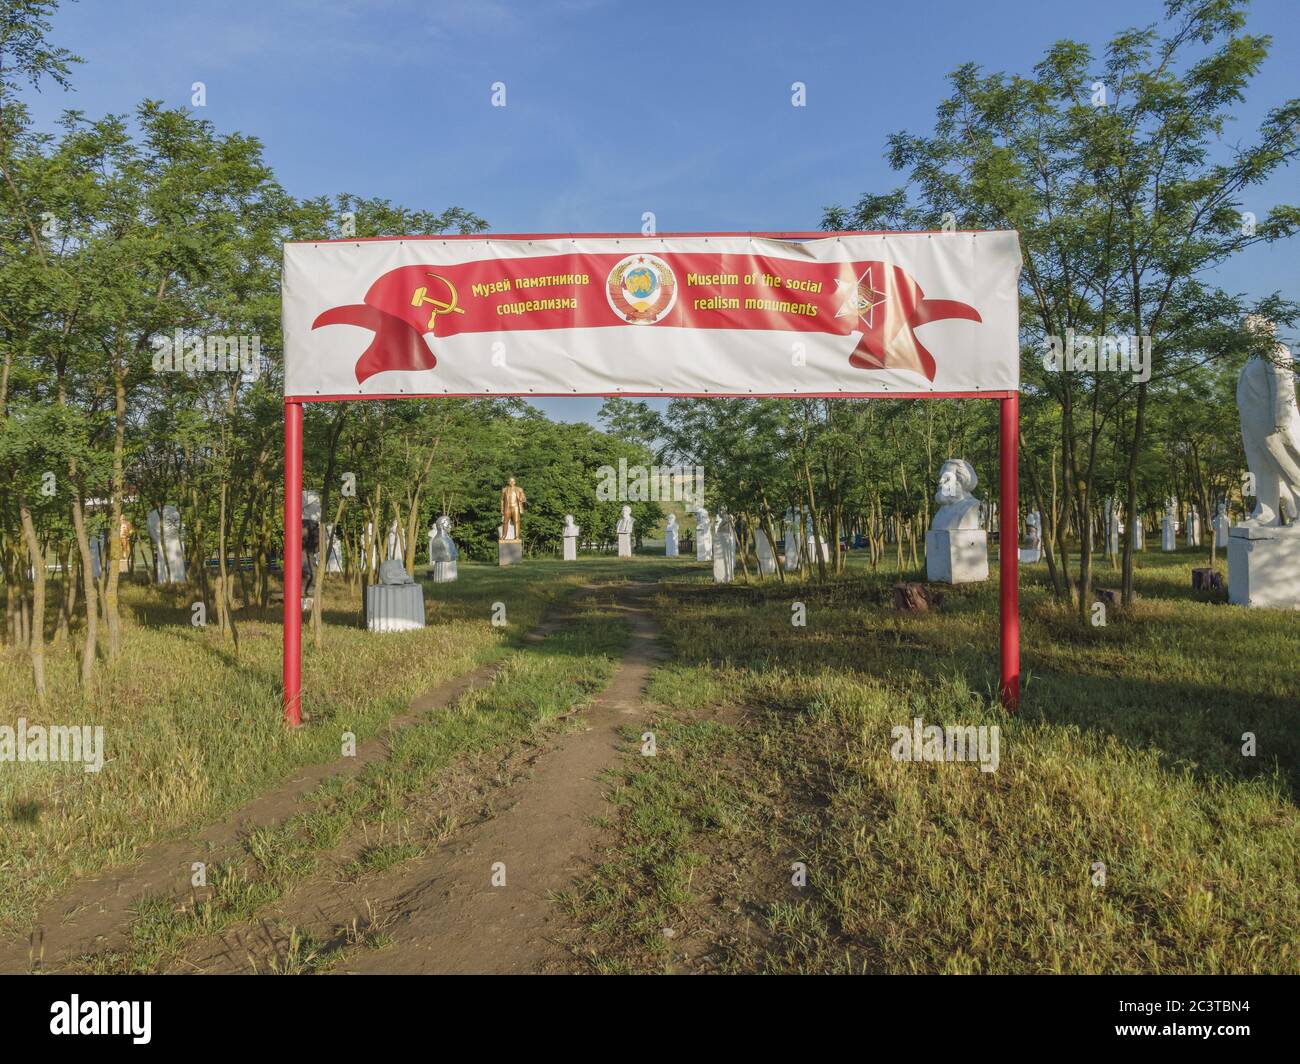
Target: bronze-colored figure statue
x=512, y=512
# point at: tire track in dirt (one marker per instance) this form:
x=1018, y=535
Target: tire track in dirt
x=441, y=911
x=95, y=915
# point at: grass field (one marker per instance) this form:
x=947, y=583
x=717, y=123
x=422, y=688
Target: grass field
x=192, y=732
x=774, y=748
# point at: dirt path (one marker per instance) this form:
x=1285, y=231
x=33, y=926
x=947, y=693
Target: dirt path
x=441, y=912
x=95, y=914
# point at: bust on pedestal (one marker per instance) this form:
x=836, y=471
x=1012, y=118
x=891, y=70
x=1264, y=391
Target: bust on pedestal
x=1169, y=526
x=724, y=549
x=570, y=536
x=1033, y=550
x=510, y=545
x=624, y=528
x=1264, y=549
x=1221, y=525
x=703, y=535
x=956, y=548
x=443, y=553
x=670, y=537
x=396, y=603
x=791, y=541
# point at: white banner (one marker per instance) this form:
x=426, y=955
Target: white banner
x=909, y=313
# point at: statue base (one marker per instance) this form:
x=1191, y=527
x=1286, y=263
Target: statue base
x=570, y=548
x=1264, y=566
x=510, y=552
x=625, y=544
x=394, y=607
x=956, y=556
x=442, y=572
x=1031, y=555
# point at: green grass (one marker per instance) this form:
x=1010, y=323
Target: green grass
x=534, y=688
x=773, y=748
x=192, y=732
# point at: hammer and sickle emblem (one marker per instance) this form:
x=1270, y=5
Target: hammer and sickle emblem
x=450, y=306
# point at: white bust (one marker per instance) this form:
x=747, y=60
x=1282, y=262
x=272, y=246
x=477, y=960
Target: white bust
x=625, y=522
x=1270, y=429
x=672, y=523
x=570, y=529
x=958, y=508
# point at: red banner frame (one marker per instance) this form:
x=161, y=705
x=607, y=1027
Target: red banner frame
x=1008, y=463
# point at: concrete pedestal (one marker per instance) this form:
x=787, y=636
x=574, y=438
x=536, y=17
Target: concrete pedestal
x=394, y=607
x=956, y=556
x=670, y=544
x=625, y=544
x=509, y=552
x=1169, y=536
x=443, y=572
x=1264, y=566
x=570, y=548
x=1030, y=555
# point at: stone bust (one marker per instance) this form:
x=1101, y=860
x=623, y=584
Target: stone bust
x=958, y=508
x=570, y=529
x=625, y=522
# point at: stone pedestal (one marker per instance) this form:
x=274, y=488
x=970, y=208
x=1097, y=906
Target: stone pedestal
x=1139, y=536
x=625, y=544
x=957, y=556
x=570, y=548
x=1264, y=566
x=394, y=607
x=670, y=543
x=510, y=552
x=1030, y=555
x=1193, y=529
x=443, y=572
x=1169, y=536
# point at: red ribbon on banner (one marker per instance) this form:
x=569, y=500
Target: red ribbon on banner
x=647, y=290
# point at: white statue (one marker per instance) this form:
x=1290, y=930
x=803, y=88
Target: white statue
x=570, y=537
x=1139, y=533
x=1169, y=527
x=443, y=553
x=1033, y=550
x=1114, y=526
x=724, y=549
x=1264, y=549
x=624, y=529
x=766, y=556
x=1221, y=524
x=1193, y=527
x=395, y=544
x=791, y=541
x=703, y=535
x=670, y=537
x=168, y=551
x=956, y=548
x=813, y=541
x=334, y=557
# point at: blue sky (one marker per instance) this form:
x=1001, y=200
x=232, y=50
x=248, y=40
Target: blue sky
x=613, y=108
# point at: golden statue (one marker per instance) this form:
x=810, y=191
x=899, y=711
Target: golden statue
x=512, y=512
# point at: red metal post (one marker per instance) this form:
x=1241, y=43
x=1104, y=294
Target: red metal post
x=1009, y=548
x=293, y=563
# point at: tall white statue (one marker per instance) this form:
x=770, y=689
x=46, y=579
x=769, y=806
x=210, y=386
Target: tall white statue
x=1032, y=553
x=1114, y=526
x=670, y=537
x=168, y=550
x=395, y=544
x=766, y=556
x=703, y=535
x=624, y=529
x=570, y=537
x=1264, y=549
x=724, y=549
x=791, y=540
x=1193, y=527
x=1221, y=524
x=1169, y=526
x=443, y=553
x=956, y=548
x=1139, y=533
